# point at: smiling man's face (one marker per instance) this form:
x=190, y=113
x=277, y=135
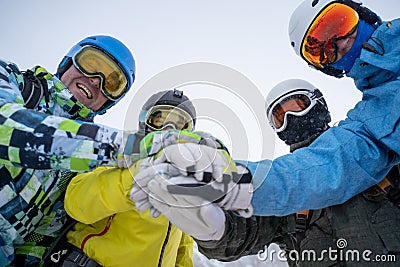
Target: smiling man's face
x=85, y=89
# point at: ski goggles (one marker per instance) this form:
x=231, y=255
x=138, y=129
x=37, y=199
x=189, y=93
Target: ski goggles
x=297, y=103
x=93, y=62
x=165, y=116
x=336, y=21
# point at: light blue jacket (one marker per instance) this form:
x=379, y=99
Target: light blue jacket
x=351, y=157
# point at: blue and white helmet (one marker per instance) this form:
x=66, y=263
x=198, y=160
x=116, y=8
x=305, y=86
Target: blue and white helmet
x=114, y=48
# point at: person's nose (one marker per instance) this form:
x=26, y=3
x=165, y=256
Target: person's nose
x=95, y=81
x=341, y=48
x=341, y=43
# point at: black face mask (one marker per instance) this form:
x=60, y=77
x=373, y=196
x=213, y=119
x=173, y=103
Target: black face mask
x=301, y=128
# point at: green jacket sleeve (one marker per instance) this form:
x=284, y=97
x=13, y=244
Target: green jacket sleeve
x=39, y=140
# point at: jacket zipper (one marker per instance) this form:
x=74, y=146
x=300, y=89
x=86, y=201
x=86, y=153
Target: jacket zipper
x=98, y=234
x=164, y=245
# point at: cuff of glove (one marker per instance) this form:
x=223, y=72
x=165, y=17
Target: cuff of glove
x=239, y=198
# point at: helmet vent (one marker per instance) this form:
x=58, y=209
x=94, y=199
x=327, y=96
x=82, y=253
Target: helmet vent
x=293, y=44
x=314, y=3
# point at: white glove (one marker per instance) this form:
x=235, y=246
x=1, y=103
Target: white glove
x=191, y=214
x=156, y=141
x=139, y=193
x=201, y=161
x=227, y=194
x=230, y=184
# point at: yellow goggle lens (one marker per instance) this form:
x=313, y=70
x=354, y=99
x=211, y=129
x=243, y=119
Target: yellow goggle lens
x=163, y=116
x=93, y=62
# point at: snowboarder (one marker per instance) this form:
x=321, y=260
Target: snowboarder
x=48, y=136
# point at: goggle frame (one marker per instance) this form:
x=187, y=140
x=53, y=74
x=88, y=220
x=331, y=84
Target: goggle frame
x=168, y=108
x=315, y=96
x=100, y=74
x=331, y=41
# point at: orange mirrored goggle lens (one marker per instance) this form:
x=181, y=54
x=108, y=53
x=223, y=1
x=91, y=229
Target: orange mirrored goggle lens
x=293, y=103
x=93, y=62
x=334, y=22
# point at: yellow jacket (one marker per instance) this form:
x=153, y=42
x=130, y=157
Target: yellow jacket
x=128, y=238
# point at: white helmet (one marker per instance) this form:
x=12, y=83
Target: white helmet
x=304, y=15
x=296, y=110
x=286, y=87
x=301, y=19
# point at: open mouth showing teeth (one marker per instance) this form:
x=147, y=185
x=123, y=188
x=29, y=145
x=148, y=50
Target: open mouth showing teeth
x=85, y=90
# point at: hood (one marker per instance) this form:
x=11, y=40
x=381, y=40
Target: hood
x=376, y=65
x=64, y=104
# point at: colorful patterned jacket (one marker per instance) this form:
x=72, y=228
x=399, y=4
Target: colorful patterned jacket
x=41, y=149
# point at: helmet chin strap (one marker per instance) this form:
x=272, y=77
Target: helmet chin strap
x=329, y=70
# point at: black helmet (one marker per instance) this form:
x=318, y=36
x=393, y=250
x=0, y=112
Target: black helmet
x=172, y=98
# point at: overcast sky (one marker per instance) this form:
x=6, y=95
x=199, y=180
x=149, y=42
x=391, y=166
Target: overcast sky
x=249, y=37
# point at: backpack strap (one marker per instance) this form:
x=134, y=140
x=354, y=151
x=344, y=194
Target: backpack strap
x=302, y=220
x=389, y=188
x=62, y=238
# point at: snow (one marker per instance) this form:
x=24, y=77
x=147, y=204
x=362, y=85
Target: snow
x=248, y=261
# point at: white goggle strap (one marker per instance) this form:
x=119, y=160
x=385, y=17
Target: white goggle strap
x=314, y=96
